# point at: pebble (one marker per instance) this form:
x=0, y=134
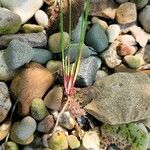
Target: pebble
x=100, y=74
x=10, y=22
x=97, y=38
x=38, y=109
x=53, y=99
x=125, y=49
x=31, y=28
x=22, y=132
x=134, y=62
x=6, y=74
x=87, y=72
x=21, y=6
x=121, y=1
x=38, y=40
x=99, y=21
x=4, y=129
x=146, y=55
x=18, y=54
x=54, y=65
x=126, y=13
x=91, y=137
x=145, y=19
x=27, y=85
x=41, y=18
x=5, y=102
x=126, y=39
x=46, y=124
x=67, y=121
x=73, y=142
x=54, y=42
x=11, y=146
x=110, y=56
x=58, y=141
x=41, y=56
x=86, y=52
x=113, y=32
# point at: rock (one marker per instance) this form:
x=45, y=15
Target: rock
x=5, y=102
x=75, y=36
x=49, y=2
x=103, y=8
x=41, y=18
x=32, y=28
x=121, y=98
x=99, y=21
x=86, y=52
x=18, y=54
x=110, y=56
x=126, y=13
x=139, y=34
x=58, y=141
x=113, y=32
x=121, y=1
x=133, y=62
x=126, y=39
x=91, y=137
x=4, y=129
x=73, y=142
x=87, y=72
x=146, y=56
x=123, y=135
x=21, y=6
x=100, y=74
x=22, y=132
x=33, y=39
x=54, y=42
x=54, y=65
x=53, y=99
x=125, y=49
x=38, y=109
x=11, y=146
x=10, y=22
x=41, y=56
x=140, y=4
x=46, y=124
x=97, y=38
x=67, y=121
x=6, y=73
x=27, y=85
x=144, y=18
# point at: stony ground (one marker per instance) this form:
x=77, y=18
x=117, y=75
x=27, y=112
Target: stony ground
x=110, y=107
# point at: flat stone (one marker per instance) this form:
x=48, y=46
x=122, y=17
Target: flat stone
x=87, y=72
x=33, y=39
x=126, y=13
x=121, y=98
x=146, y=51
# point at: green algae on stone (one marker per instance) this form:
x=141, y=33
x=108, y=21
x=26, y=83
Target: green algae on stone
x=38, y=109
x=132, y=135
x=11, y=146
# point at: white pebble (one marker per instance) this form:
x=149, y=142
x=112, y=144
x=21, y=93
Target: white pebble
x=41, y=18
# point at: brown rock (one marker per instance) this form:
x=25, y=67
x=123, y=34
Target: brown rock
x=126, y=13
x=31, y=83
x=53, y=99
x=103, y=8
x=46, y=124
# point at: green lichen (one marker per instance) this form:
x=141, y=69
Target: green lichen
x=124, y=136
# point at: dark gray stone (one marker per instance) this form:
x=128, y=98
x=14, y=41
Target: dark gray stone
x=41, y=55
x=87, y=71
x=33, y=39
x=18, y=54
x=97, y=38
x=87, y=51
